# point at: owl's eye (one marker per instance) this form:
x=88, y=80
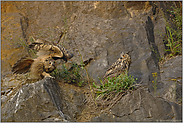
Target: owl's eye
x=123, y=55
x=46, y=59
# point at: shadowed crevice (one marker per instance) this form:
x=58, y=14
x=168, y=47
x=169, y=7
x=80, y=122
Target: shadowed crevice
x=50, y=86
x=151, y=40
x=24, y=22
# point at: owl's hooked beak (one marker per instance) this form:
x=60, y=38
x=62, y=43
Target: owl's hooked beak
x=65, y=60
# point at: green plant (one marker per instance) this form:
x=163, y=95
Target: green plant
x=115, y=84
x=80, y=83
x=88, y=78
x=180, y=101
x=162, y=59
x=155, y=82
x=71, y=76
x=174, y=34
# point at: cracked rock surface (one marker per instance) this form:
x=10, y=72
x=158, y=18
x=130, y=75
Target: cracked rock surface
x=33, y=103
x=141, y=106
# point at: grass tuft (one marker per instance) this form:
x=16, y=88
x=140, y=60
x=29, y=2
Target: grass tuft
x=70, y=76
x=173, y=36
x=114, y=85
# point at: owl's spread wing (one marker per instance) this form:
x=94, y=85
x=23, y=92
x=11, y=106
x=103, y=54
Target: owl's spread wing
x=22, y=66
x=46, y=48
x=49, y=48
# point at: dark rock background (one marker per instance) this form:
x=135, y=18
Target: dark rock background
x=97, y=30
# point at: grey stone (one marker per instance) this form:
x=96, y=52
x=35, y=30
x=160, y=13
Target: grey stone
x=33, y=103
x=140, y=105
x=171, y=89
x=30, y=103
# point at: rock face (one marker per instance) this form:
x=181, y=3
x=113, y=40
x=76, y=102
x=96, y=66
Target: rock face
x=142, y=106
x=28, y=103
x=171, y=82
x=92, y=30
x=34, y=102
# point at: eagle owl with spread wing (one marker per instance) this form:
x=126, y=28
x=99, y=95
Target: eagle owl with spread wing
x=47, y=53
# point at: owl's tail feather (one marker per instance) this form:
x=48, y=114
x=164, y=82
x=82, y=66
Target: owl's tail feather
x=36, y=46
x=23, y=65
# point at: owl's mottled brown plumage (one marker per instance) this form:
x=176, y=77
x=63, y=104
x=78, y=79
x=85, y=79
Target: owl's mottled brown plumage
x=39, y=67
x=47, y=53
x=119, y=66
x=50, y=48
x=23, y=65
x=42, y=66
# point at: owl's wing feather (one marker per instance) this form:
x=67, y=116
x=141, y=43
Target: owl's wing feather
x=22, y=66
x=49, y=48
x=119, y=66
x=43, y=41
x=46, y=48
x=118, y=62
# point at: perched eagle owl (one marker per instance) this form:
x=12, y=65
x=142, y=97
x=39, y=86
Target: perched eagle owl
x=50, y=48
x=119, y=66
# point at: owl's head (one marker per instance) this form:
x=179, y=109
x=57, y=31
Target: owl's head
x=125, y=56
x=49, y=64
